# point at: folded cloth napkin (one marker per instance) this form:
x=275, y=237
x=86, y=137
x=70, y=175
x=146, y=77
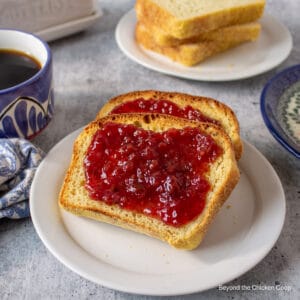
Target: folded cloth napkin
x=19, y=160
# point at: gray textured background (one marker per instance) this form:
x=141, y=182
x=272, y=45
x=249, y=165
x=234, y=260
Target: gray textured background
x=88, y=69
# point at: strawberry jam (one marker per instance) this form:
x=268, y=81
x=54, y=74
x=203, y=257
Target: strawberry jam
x=159, y=174
x=162, y=107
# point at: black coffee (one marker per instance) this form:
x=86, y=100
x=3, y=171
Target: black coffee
x=16, y=67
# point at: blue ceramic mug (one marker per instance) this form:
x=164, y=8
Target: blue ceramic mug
x=27, y=107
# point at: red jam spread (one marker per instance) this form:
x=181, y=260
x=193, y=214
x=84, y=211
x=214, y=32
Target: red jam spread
x=158, y=174
x=163, y=107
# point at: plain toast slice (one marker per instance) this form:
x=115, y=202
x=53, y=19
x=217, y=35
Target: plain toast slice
x=193, y=53
x=187, y=18
x=238, y=33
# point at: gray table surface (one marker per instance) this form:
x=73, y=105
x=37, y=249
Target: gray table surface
x=89, y=69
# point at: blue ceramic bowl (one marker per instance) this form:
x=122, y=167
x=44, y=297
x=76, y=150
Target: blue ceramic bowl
x=280, y=108
x=27, y=108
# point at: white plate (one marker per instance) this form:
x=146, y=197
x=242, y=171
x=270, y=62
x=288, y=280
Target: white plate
x=247, y=60
x=68, y=28
x=242, y=234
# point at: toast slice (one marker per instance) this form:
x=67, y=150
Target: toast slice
x=240, y=32
x=192, y=53
x=223, y=175
x=209, y=107
x=187, y=18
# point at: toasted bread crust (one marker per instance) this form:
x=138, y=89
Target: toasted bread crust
x=208, y=106
x=190, y=54
x=234, y=33
x=223, y=176
x=185, y=28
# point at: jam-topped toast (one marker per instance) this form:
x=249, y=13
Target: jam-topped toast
x=191, y=107
x=156, y=174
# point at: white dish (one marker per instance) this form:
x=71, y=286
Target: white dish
x=242, y=234
x=68, y=28
x=247, y=60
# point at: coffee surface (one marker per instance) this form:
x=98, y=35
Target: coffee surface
x=16, y=67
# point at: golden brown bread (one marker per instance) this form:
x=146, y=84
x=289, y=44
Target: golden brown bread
x=207, y=106
x=187, y=18
x=223, y=176
x=192, y=53
x=237, y=33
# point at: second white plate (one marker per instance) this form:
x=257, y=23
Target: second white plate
x=241, y=235
x=247, y=60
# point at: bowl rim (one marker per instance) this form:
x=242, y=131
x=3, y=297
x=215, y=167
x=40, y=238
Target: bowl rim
x=265, y=116
x=40, y=73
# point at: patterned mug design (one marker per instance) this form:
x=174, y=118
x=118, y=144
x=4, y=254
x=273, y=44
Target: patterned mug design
x=26, y=116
